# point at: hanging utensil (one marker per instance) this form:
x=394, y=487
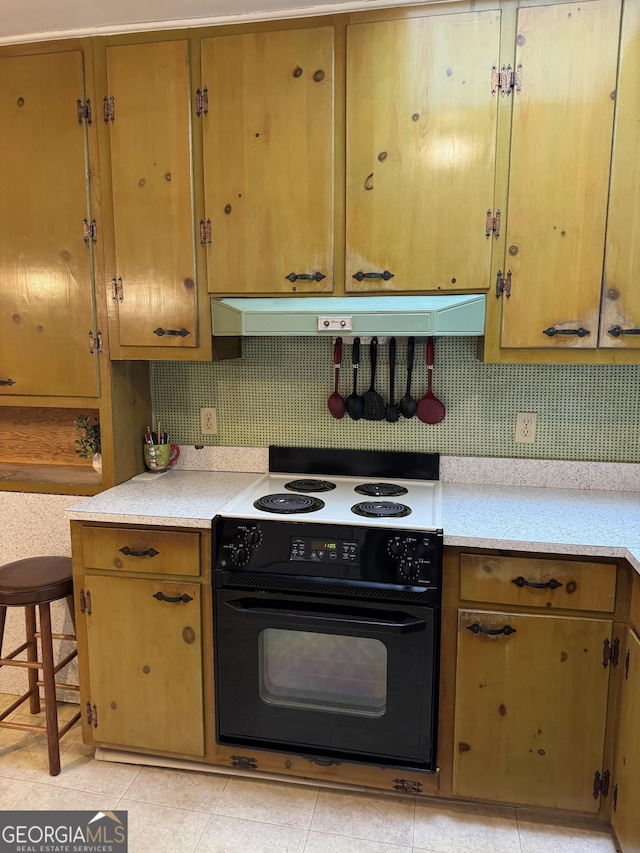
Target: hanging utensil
x=373, y=402
x=336, y=402
x=408, y=404
x=392, y=412
x=355, y=404
x=430, y=409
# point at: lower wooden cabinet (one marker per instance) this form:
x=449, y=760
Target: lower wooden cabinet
x=530, y=708
x=626, y=789
x=141, y=637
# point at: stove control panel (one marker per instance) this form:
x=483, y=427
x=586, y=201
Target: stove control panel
x=323, y=550
x=237, y=549
x=356, y=553
x=412, y=555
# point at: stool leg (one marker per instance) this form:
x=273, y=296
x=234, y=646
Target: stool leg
x=72, y=611
x=51, y=710
x=32, y=655
x=3, y=616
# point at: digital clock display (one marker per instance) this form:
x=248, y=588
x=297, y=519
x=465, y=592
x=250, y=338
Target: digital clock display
x=321, y=544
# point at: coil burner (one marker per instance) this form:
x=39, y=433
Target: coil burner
x=380, y=490
x=381, y=509
x=288, y=504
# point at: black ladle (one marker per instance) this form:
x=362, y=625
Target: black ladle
x=355, y=404
x=392, y=412
x=408, y=405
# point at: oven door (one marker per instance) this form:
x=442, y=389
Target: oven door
x=327, y=678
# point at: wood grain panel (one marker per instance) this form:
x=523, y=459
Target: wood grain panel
x=268, y=160
x=145, y=659
x=421, y=138
x=620, y=291
x=152, y=192
x=178, y=553
x=559, y=172
x=46, y=298
x=626, y=817
x=530, y=709
x=584, y=586
x=45, y=436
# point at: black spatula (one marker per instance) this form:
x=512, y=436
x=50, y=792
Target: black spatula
x=374, y=409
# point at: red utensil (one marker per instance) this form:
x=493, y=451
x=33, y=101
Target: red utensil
x=430, y=410
x=336, y=403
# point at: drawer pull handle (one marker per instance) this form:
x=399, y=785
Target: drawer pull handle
x=492, y=632
x=552, y=584
x=150, y=552
x=305, y=276
x=172, y=599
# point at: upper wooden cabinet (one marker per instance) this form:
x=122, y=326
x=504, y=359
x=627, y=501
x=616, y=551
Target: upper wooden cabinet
x=268, y=133
x=421, y=152
x=150, y=269
x=620, y=317
x=566, y=283
x=49, y=338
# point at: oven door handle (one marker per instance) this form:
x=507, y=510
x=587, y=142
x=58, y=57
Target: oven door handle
x=406, y=625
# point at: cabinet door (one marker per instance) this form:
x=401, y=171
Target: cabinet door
x=150, y=141
x=421, y=146
x=268, y=161
x=626, y=817
x=46, y=286
x=620, y=291
x=145, y=660
x=559, y=173
x=531, y=704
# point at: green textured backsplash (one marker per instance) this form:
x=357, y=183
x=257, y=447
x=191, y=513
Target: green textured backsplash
x=277, y=394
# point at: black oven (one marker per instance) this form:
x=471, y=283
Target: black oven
x=327, y=640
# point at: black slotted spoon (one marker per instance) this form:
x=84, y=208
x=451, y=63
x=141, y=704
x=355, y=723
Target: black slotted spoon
x=355, y=405
x=373, y=402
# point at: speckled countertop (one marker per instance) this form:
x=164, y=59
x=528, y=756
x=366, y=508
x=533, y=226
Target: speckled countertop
x=580, y=521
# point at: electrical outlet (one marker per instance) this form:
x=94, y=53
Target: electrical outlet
x=208, y=421
x=525, y=427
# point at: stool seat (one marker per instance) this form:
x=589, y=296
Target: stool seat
x=30, y=583
x=35, y=580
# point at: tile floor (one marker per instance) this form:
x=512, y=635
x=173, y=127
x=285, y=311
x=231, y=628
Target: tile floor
x=177, y=811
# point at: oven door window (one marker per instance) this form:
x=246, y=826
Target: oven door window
x=323, y=672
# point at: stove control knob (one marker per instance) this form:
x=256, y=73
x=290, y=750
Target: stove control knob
x=397, y=546
x=254, y=537
x=239, y=556
x=408, y=570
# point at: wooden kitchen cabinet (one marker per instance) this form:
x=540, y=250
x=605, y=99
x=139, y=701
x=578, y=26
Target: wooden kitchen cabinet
x=620, y=315
x=626, y=780
x=531, y=708
x=49, y=342
x=144, y=659
x=150, y=268
x=421, y=151
x=572, y=201
x=268, y=131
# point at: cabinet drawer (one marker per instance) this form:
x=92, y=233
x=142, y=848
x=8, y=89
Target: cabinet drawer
x=532, y=582
x=149, y=551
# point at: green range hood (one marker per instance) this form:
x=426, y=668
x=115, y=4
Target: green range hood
x=350, y=316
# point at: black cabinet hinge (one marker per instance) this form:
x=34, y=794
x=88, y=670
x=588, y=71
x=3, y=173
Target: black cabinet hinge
x=92, y=715
x=615, y=797
x=503, y=285
x=89, y=231
x=116, y=287
x=95, y=342
x=611, y=652
x=202, y=101
x=627, y=661
x=492, y=224
x=601, y=784
x=407, y=786
x=108, y=109
x=506, y=79
x=84, y=111
x=243, y=762
x=85, y=602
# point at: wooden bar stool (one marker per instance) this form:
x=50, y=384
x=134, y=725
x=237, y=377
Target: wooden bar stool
x=27, y=583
